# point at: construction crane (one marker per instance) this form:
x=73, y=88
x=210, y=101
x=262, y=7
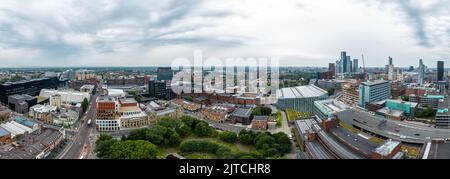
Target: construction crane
x=358, y=76
x=364, y=67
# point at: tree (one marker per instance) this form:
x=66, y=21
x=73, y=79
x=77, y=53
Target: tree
x=229, y=137
x=139, y=149
x=85, y=104
x=202, y=129
x=262, y=111
x=246, y=137
x=425, y=113
x=283, y=142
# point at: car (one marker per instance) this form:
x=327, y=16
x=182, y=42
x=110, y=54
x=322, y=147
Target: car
x=397, y=129
x=417, y=134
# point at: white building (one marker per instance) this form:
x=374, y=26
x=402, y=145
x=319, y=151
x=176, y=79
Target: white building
x=300, y=98
x=67, y=96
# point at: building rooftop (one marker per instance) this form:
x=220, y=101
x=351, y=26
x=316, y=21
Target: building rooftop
x=307, y=91
x=391, y=112
x=387, y=147
x=261, y=118
x=24, y=121
x=43, y=108
x=242, y=112
x=332, y=105
x=373, y=83
x=3, y=132
x=442, y=111
x=105, y=99
x=412, y=104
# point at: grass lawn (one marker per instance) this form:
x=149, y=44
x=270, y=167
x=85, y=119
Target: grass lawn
x=411, y=151
x=377, y=140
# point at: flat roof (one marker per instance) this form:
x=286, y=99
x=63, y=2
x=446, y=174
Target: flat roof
x=412, y=104
x=376, y=82
x=391, y=112
x=3, y=132
x=332, y=105
x=307, y=91
x=387, y=147
x=242, y=112
x=260, y=118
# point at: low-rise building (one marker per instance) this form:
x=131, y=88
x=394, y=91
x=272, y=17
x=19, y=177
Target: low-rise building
x=67, y=96
x=389, y=150
x=326, y=109
x=443, y=118
x=427, y=100
x=87, y=88
x=391, y=113
x=260, y=122
x=5, y=136
x=187, y=105
x=241, y=115
x=35, y=145
x=215, y=113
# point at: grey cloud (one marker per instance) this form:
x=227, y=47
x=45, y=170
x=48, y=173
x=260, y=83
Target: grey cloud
x=417, y=17
x=91, y=17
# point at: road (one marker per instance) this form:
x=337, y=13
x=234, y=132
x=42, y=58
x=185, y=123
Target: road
x=284, y=124
x=398, y=130
x=75, y=149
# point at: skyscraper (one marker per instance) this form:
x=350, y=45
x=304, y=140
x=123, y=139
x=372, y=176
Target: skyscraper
x=421, y=75
x=348, y=68
x=391, y=70
x=355, y=66
x=440, y=71
x=332, y=68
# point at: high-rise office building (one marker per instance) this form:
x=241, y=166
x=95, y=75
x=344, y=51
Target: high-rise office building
x=349, y=66
x=390, y=61
x=165, y=73
x=440, y=71
x=373, y=91
x=332, y=68
x=355, y=66
x=421, y=75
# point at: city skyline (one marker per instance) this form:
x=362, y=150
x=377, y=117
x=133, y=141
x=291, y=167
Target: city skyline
x=142, y=33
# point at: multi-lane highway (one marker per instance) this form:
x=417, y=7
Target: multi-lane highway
x=399, y=130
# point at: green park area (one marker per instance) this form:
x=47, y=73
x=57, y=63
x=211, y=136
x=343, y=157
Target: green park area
x=194, y=139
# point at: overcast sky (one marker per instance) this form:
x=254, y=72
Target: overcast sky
x=154, y=32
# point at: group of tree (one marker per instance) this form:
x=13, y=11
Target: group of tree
x=426, y=113
x=109, y=148
x=269, y=145
x=170, y=132
x=262, y=111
